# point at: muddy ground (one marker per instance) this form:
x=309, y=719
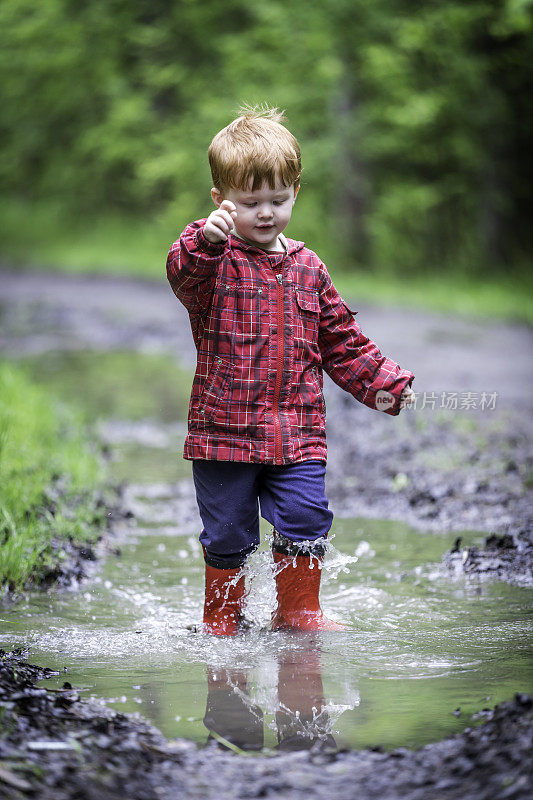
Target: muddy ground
x=57, y=746
x=469, y=469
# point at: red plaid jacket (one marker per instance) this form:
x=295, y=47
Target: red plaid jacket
x=265, y=325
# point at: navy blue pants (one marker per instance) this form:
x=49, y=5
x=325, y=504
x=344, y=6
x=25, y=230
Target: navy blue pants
x=292, y=498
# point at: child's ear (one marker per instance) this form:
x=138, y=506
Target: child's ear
x=296, y=190
x=217, y=196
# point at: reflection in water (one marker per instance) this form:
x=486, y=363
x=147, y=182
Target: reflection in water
x=301, y=718
x=230, y=715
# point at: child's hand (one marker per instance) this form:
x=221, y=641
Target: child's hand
x=407, y=397
x=220, y=222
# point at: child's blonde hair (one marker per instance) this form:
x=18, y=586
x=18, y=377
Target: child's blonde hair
x=255, y=148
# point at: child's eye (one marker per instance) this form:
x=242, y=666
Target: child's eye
x=250, y=205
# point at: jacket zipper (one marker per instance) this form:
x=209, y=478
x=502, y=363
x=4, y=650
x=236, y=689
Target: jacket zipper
x=278, y=448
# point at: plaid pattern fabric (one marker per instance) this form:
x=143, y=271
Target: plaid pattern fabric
x=262, y=345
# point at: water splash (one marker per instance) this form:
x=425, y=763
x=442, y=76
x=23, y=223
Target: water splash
x=409, y=629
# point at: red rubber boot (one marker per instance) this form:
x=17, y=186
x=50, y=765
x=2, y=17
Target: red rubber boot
x=224, y=595
x=298, y=586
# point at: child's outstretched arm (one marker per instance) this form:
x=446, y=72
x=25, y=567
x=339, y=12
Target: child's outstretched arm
x=194, y=257
x=354, y=361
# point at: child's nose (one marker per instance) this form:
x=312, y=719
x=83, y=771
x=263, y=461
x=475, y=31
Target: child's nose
x=265, y=210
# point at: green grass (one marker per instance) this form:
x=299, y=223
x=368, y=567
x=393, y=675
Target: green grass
x=120, y=384
x=49, y=473
x=36, y=236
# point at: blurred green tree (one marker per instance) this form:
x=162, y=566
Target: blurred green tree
x=415, y=124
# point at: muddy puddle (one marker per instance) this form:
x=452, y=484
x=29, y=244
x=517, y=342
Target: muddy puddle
x=423, y=652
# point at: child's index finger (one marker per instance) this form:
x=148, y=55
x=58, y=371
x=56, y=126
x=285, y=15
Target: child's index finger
x=227, y=205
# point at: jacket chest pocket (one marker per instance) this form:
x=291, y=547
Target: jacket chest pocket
x=216, y=392
x=307, y=315
x=236, y=314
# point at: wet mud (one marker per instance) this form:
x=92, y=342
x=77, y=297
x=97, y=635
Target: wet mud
x=55, y=745
x=443, y=474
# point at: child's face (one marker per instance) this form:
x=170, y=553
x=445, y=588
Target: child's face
x=262, y=214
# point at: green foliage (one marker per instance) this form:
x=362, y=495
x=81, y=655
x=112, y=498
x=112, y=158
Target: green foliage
x=48, y=474
x=415, y=124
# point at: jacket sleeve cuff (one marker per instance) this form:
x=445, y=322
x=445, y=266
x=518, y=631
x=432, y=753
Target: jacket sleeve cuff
x=207, y=246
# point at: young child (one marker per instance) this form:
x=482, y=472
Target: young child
x=266, y=321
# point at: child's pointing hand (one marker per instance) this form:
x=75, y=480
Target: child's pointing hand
x=220, y=222
x=407, y=397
